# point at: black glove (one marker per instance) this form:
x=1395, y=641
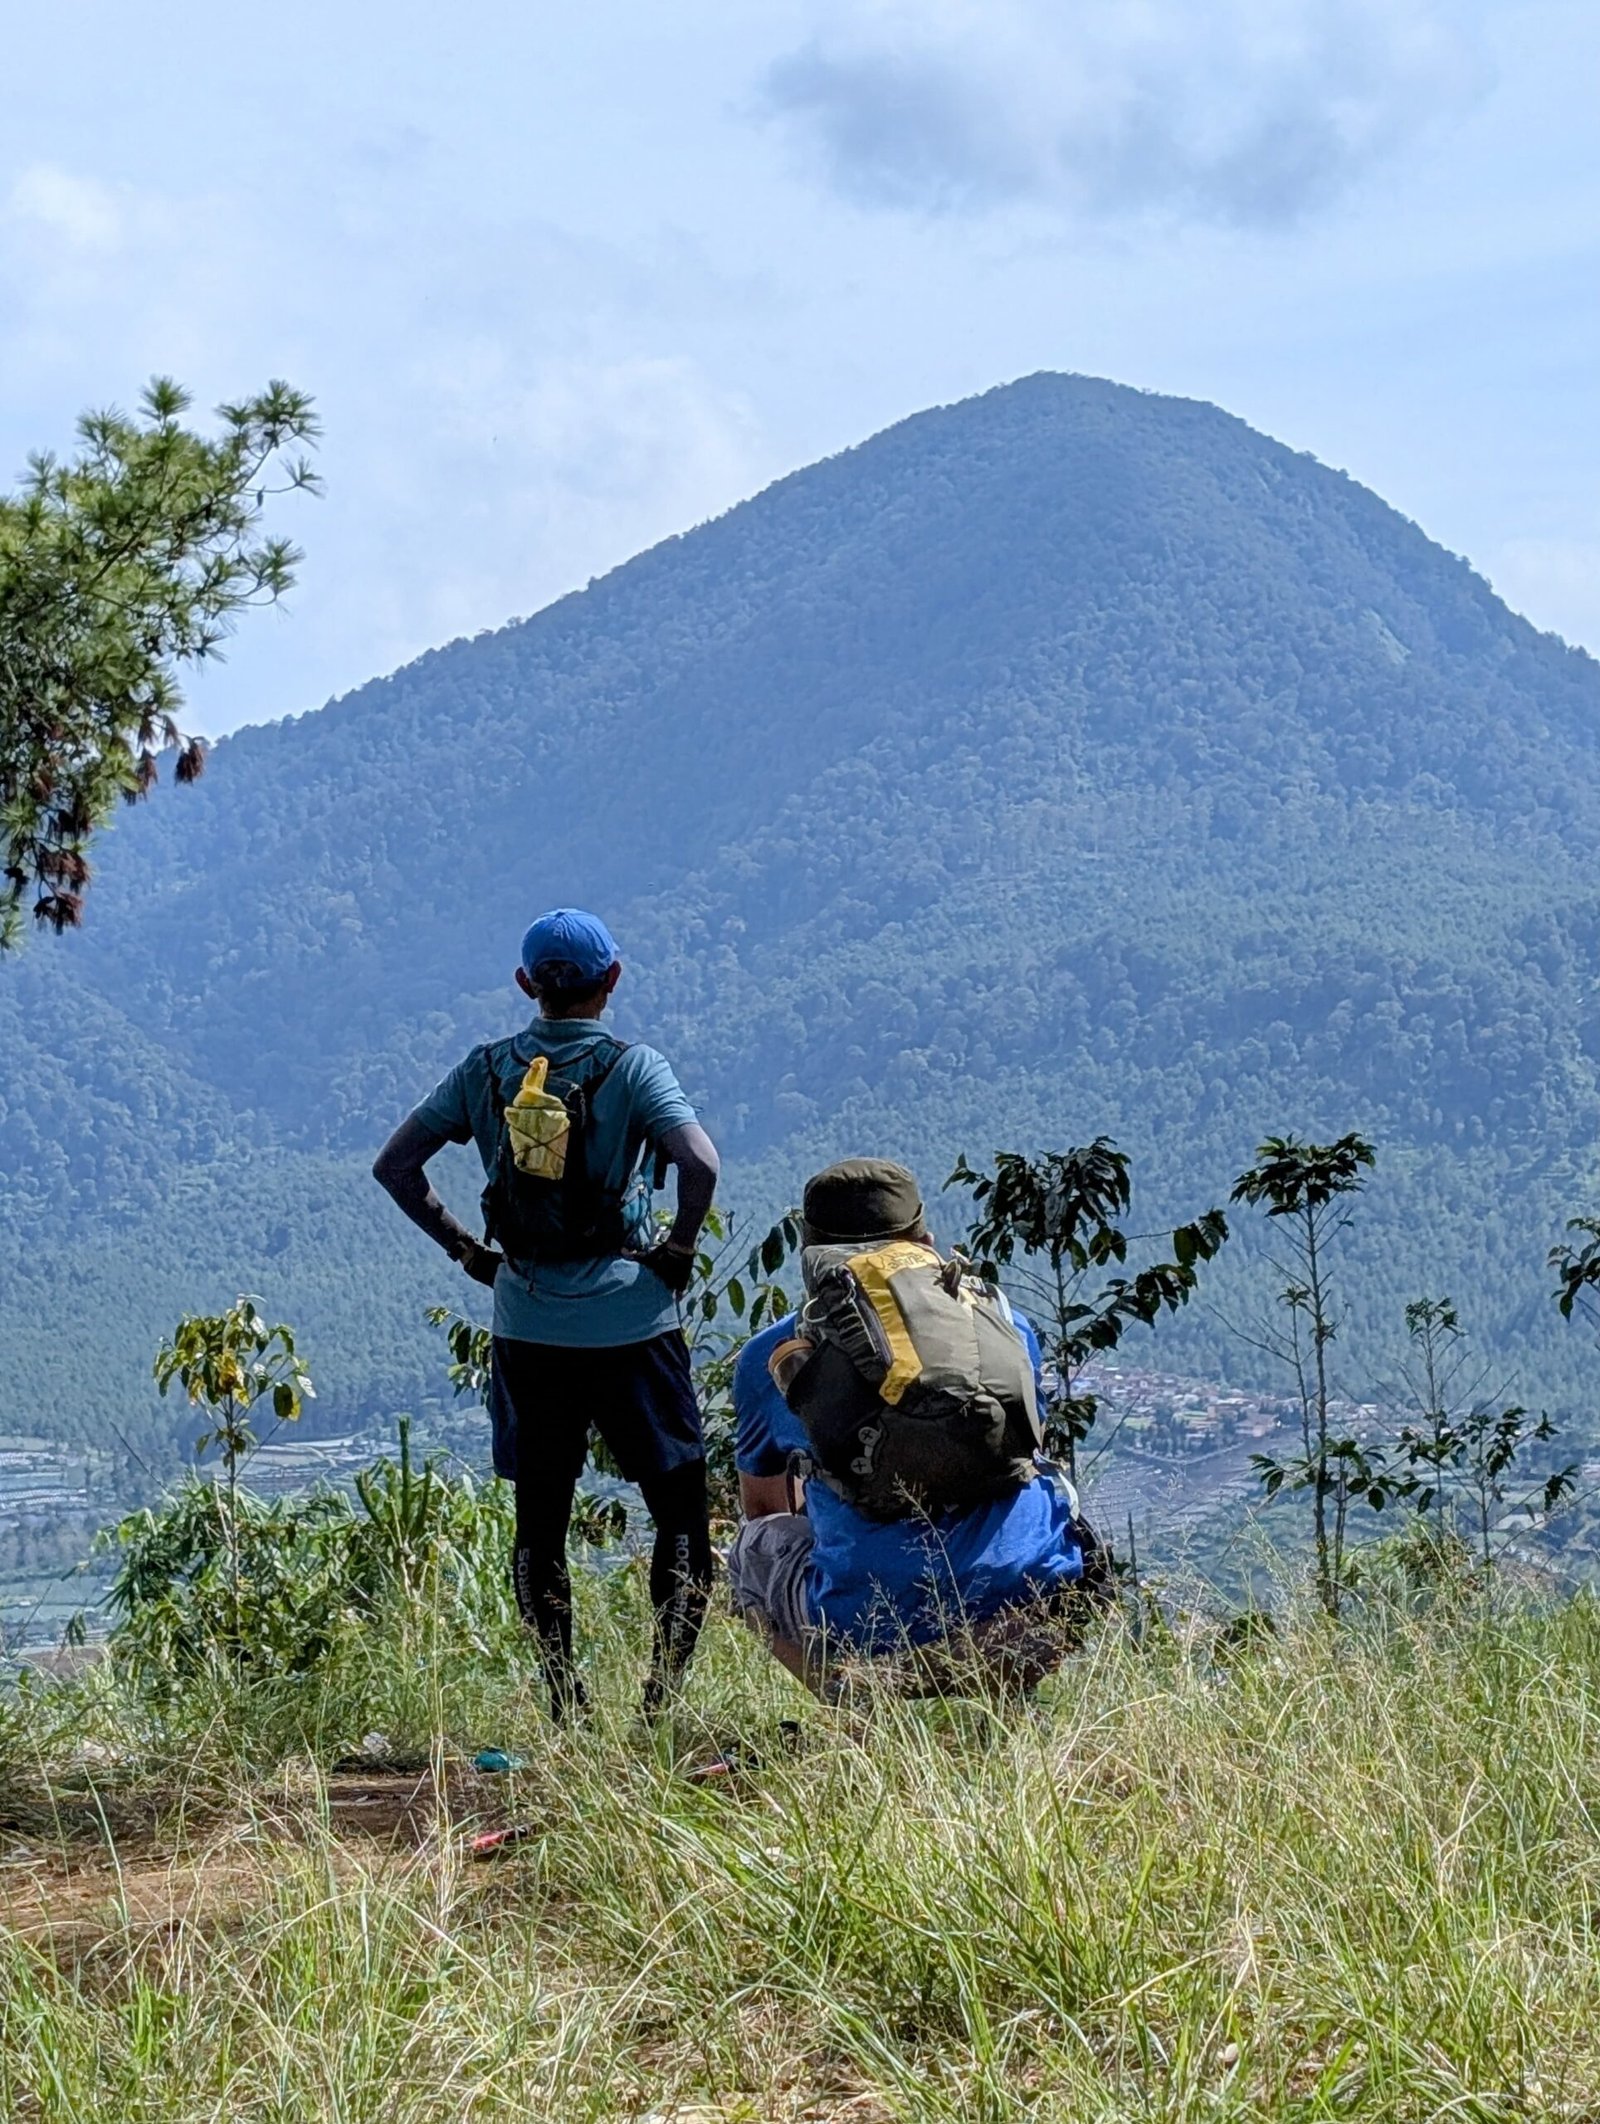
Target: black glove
x=673, y=1265
x=482, y=1263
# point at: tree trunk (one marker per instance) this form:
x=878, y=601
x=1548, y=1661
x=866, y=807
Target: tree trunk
x=1326, y=1562
x=1063, y=1371
x=232, y=1456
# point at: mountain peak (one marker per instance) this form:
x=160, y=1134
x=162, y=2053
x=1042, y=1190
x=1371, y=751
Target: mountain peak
x=1068, y=759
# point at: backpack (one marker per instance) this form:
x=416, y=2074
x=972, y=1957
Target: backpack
x=911, y=1381
x=542, y=1205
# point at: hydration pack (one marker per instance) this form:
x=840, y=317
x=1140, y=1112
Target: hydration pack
x=912, y=1383
x=542, y=1204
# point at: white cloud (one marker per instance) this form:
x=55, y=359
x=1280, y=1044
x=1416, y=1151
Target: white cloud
x=1244, y=111
x=74, y=210
x=606, y=430
x=555, y=469
x=509, y=408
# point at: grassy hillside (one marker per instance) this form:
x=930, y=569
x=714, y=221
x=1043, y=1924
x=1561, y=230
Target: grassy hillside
x=1332, y=1878
x=1066, y=761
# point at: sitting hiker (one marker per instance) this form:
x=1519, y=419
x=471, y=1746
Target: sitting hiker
x=887, y=1447
x=569, y=1124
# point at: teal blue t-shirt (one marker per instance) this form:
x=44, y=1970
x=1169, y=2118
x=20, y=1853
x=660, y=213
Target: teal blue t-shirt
x=594, y=1305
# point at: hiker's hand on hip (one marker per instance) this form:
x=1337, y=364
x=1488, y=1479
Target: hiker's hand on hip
x=674, y=1265
x=482, y=1263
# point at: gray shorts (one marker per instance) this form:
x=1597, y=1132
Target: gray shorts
x=767, y=1574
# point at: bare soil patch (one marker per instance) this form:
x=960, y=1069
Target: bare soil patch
x=108, y=1874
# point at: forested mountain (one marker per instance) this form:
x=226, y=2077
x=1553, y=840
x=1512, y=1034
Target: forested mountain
x=1068, y=760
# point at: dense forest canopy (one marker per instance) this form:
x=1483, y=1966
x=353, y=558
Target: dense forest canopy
x=1071, y=760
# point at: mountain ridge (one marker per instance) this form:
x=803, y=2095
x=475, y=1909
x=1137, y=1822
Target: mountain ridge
x=1070, y=757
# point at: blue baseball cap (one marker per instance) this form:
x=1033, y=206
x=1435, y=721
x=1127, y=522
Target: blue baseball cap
x=566, y=936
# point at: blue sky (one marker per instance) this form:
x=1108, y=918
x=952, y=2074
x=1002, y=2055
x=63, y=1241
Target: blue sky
x=567, y=280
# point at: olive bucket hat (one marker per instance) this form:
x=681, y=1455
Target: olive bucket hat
x=860, y=1200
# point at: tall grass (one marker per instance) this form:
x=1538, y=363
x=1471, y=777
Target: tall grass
x=1348, y=1875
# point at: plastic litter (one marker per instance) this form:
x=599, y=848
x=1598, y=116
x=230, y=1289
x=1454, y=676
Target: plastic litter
x=494, y=1843
x=495, y=1762
x=735, y=1759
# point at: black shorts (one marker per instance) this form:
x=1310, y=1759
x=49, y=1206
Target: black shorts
x=544, y=1399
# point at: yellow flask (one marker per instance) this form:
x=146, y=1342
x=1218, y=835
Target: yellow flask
x=538, y=1125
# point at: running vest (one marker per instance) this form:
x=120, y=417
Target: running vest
x=543, y=1204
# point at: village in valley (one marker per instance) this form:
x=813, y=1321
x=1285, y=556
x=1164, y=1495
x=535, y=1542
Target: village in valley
x=1171, y=1417
x=1168, y=1450
x=1171, y=1461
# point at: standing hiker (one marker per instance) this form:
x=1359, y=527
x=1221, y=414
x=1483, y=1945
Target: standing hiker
x=571, y=1125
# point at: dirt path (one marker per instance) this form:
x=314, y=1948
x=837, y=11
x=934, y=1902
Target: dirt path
x=94, y=1908
x=71, y=1894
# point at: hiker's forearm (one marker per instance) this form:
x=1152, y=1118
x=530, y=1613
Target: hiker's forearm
x=693, y=1156
x=413, y=1191
x=400, y=1169
x=761, y=1495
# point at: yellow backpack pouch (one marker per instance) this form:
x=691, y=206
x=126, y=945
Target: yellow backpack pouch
x=538, y=1125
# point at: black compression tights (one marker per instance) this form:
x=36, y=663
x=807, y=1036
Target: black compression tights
x=680, y=1576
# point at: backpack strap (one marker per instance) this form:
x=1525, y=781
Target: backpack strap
x=575, y=1180
x=618, y=1049
x=590, y=1085
x=497, y=1101
x=586, y=1087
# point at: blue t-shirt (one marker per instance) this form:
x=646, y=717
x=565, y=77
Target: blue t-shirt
x=875, y=1583
x=594, y=1305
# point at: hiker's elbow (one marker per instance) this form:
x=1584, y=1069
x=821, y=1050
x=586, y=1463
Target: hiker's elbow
x=402, y=1157
x=694, y=1154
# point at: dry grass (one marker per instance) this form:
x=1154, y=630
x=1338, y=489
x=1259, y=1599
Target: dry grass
x=1337, y=1877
